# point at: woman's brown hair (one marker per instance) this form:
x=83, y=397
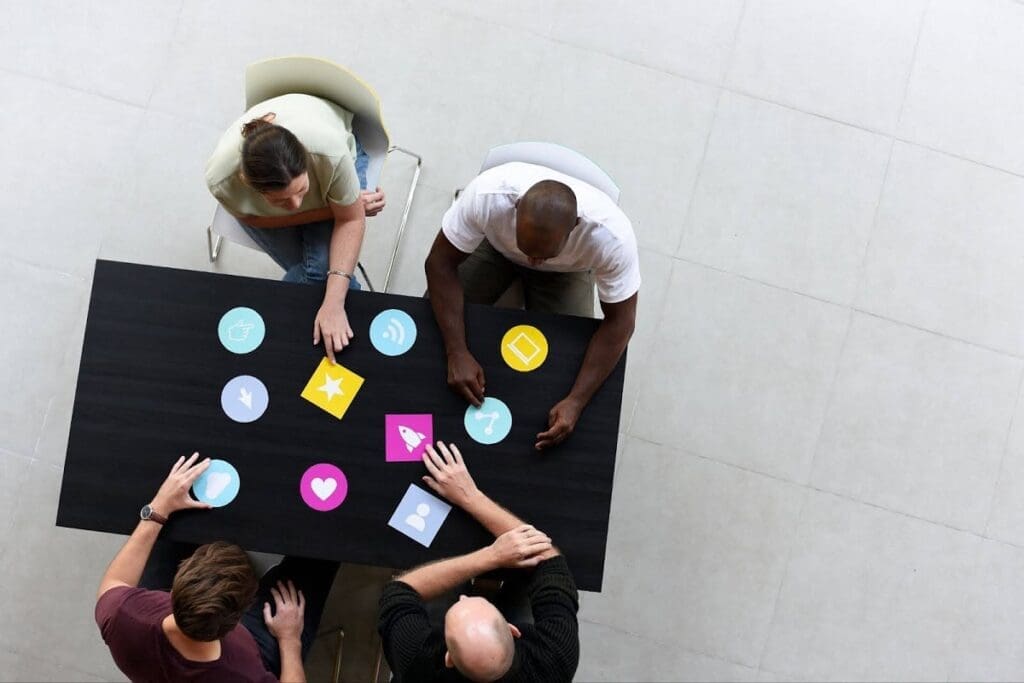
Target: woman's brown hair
x=271, y=156
x=212, y=590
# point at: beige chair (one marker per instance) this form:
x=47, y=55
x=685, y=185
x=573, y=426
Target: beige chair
x=321, y=78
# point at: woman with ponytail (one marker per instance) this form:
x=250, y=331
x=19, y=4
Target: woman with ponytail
x=293, y=174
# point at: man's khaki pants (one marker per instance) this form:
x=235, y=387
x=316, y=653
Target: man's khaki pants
x=486, y=275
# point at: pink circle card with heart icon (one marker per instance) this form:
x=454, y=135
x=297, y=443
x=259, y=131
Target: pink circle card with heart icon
x=323, y=487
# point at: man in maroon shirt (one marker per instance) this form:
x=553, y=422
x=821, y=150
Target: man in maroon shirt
x=210, y=626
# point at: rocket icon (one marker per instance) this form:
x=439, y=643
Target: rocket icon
x=411, y=438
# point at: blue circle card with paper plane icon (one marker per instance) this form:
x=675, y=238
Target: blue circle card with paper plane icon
x=244, y=398
x=393, y=332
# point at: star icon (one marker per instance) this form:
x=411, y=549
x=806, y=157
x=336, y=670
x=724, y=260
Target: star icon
x=331, y=387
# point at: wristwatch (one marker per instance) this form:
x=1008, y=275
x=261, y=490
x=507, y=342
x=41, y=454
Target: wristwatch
x=148, y=514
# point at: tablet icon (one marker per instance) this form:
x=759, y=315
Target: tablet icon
x=244, y=399
x=490, y=423
x=393, y=332
x=241, y=330
x=524, y=348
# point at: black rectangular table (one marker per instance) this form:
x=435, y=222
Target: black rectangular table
x=149, y=388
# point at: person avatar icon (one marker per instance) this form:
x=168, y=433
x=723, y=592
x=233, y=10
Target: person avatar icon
x=417, y=521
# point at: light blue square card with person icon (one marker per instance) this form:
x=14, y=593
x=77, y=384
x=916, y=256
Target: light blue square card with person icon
x=420, y=515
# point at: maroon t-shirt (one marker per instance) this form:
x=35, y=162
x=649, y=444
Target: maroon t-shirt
x=130, y=621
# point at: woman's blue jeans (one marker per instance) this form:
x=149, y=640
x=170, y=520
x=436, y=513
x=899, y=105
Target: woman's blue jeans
x=303, y=251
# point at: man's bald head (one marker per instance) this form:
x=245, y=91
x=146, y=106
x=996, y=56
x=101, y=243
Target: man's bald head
x=545, y=215
x=480, y=640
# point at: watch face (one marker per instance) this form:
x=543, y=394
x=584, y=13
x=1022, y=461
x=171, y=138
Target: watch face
x=146, y=512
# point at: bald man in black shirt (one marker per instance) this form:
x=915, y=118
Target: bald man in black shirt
x=477, y=643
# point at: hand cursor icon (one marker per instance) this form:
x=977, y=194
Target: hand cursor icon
x=239, y=332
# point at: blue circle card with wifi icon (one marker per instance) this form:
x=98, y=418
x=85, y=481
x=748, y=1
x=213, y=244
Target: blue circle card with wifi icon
x=393, y=332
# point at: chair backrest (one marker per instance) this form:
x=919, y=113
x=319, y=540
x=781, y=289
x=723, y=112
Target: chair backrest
x=556, y=157
x=323, y=78
x=228, y=227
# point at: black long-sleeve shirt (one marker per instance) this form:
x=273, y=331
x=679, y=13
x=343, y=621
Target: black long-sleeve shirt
x=548, y=650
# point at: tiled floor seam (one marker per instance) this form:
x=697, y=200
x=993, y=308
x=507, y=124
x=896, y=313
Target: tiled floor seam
x=47, y=269
x=837, y=494
x=42, y=429
x=913, y=62
x=59, y=84
x=1002, y=458
x=163, y=68
x=671, y=644
x=700, y=172
x=453, y=12
x=856, y=309
x=53, y=659
x=782, y=580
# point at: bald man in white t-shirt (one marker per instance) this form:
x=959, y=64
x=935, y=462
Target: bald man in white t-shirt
x=560, y=237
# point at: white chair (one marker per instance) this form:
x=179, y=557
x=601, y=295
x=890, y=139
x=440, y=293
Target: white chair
x=556, y=157
x=321, y=78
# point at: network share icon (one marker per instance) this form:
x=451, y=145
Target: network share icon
x=393, y=332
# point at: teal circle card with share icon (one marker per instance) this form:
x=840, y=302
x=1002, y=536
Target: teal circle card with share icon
x=490, y=423
x=393, y=332
x=241, y=330
x=218, y=485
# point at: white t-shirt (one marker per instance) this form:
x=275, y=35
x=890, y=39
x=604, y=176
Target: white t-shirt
x=602, y=242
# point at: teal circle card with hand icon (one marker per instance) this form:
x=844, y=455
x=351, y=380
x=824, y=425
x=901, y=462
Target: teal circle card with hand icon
x=241, y=330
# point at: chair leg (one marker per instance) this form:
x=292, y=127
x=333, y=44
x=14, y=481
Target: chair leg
x=212, y=246
x=366, y=277
x=337, y=659
x=405, y=211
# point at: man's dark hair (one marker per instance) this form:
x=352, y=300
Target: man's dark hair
x=549, y=205
x=271, y=156
x=212, y=590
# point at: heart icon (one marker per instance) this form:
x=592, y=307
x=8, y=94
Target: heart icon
x=216, y=482
x=323, y=488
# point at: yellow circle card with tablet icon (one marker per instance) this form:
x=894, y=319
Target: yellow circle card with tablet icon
x=524, y=348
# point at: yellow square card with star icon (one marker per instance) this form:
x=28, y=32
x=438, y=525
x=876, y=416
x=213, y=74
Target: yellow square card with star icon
x=332, y=388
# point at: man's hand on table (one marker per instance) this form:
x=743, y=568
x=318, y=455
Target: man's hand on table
x=520, y=548
x=466, y=377
x=448, y=476
x=562, y=420
x=332, y=326
x=173, y=493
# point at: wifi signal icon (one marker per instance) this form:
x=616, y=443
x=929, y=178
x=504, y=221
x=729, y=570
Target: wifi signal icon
x=393, y=332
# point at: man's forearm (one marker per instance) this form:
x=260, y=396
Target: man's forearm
x=129, y=563
x=289, y=221
x=346, y=241
x=435, y=579
x=291, y=661
x=490, y=515
x=603, y=352
x=446, y=298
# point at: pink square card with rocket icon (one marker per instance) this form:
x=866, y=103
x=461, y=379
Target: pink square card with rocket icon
x=407, y=436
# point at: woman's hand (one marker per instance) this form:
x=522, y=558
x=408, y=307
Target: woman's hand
x=332, y=326
x=373, y=201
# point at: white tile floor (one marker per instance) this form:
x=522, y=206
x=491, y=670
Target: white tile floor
x=823, y=466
